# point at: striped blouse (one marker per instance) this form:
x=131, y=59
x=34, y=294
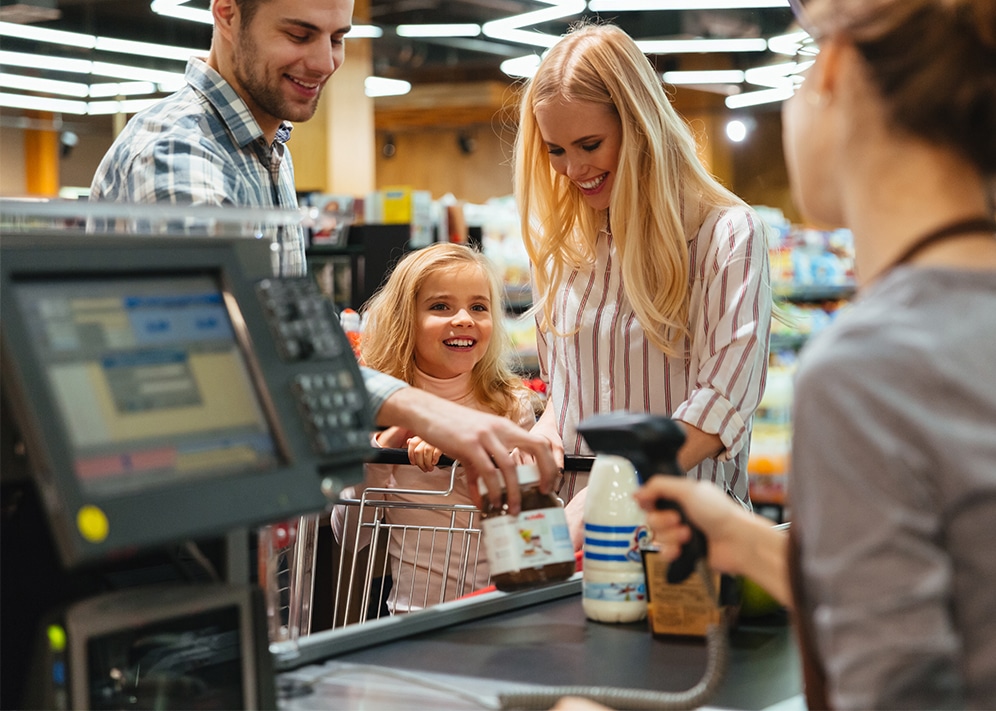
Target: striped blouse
x=605, y=363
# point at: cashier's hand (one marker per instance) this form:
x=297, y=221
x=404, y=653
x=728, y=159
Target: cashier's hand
x=479, y=440
x=706, y=506
x=575, y=703
x=740, y=542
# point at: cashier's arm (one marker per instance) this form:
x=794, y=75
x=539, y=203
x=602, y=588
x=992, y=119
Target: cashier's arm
x=479, y=440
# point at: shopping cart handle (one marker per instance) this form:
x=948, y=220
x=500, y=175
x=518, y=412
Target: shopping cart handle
x=390, y=455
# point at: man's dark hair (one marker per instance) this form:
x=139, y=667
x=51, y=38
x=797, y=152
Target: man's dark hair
x=248, y=9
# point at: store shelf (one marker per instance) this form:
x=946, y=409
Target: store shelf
x=812, y=293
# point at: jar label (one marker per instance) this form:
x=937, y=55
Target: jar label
x=532, y=539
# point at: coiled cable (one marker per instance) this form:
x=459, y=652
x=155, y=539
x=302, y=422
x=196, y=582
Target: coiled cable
x=717, y=659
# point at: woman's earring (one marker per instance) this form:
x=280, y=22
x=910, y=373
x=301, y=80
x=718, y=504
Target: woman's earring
x=817, y=99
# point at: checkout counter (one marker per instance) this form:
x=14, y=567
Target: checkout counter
x=166, y=393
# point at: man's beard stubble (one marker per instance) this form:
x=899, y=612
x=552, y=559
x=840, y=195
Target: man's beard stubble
x=264, y=94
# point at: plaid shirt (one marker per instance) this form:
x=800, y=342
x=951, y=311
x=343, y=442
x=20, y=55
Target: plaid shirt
x=202, y=146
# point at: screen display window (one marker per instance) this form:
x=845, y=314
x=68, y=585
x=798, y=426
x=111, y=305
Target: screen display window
x=192, y=662
x=149, y=379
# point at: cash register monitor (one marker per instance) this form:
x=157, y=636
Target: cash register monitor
x=168, y=388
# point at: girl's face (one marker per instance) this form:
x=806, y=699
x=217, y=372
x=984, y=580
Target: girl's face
x=583, y=140
x=453, y=321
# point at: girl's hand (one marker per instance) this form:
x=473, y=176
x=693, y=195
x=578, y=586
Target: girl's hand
x=422, y=454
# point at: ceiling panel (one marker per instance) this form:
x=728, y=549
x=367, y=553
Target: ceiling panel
x=418, y=61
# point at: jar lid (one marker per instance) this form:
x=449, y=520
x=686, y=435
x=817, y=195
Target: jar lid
x=526, y=474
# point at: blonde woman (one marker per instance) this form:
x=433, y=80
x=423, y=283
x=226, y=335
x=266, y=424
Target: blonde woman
x=650, y=278
x=437, y=324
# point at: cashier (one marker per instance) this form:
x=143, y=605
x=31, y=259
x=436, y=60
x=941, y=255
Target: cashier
x=221, y=140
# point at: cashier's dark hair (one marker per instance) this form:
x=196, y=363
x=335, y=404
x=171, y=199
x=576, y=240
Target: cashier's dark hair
x=933, y=62
x=390, y=324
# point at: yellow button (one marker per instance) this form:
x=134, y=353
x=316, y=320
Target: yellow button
x=56, y=638
x=92, y=524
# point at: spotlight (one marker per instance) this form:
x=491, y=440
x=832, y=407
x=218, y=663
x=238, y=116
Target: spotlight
x=738, y=129
x=389, y=148
x=67, y=142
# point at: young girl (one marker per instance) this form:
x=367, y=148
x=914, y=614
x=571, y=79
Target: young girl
x=437, y=325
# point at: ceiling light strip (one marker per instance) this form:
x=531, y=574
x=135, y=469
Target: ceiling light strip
x=702, y=46
x=510, y=29
x=712, y=76
x=753, y=98
x=381, y=86
x=105, y=44
x=44, y=86
x=635, y=5
x=440, y=30
x=41, y=103
x=166, y=81
x=179, y=10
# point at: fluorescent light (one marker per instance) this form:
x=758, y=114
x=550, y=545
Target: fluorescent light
x=792, y=44
x=524, y=67
x=133, y=106
x=105, y=44
x=711, y=76
x=753, y=98
x=45, y=86
x=47, y=62
x=379, y=86
x=442, y=30
x=167, y=81
x=364, y=32
x=125, y=71
x=633, y=5
x=773, y=76
x=41, y=34
x=39, y=103
x=130, y=88
x=680, y=46
x=177, y=9
x=508, y=28
x=147, y=49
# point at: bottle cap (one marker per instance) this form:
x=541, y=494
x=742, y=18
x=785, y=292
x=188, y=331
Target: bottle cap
x=350, y=320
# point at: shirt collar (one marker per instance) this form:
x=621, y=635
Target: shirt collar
x=229, y=105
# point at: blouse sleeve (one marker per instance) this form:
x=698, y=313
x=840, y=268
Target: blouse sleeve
x=730, y=317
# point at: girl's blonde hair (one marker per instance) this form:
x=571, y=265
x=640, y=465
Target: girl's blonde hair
x=388, y=343
x=658, y=165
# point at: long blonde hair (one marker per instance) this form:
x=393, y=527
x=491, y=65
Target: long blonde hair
x=388, y=343
x=658, y=166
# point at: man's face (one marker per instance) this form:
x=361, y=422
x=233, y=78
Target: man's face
x=284, y=55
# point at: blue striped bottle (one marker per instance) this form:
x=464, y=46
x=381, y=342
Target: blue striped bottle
x=613, y=583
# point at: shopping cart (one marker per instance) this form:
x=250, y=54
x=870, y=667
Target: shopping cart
x=371, y=530
x=399, y=555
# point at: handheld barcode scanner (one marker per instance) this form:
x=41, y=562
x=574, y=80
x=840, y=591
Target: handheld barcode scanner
x=651, y=443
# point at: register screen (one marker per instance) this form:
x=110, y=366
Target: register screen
x=148, y=377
